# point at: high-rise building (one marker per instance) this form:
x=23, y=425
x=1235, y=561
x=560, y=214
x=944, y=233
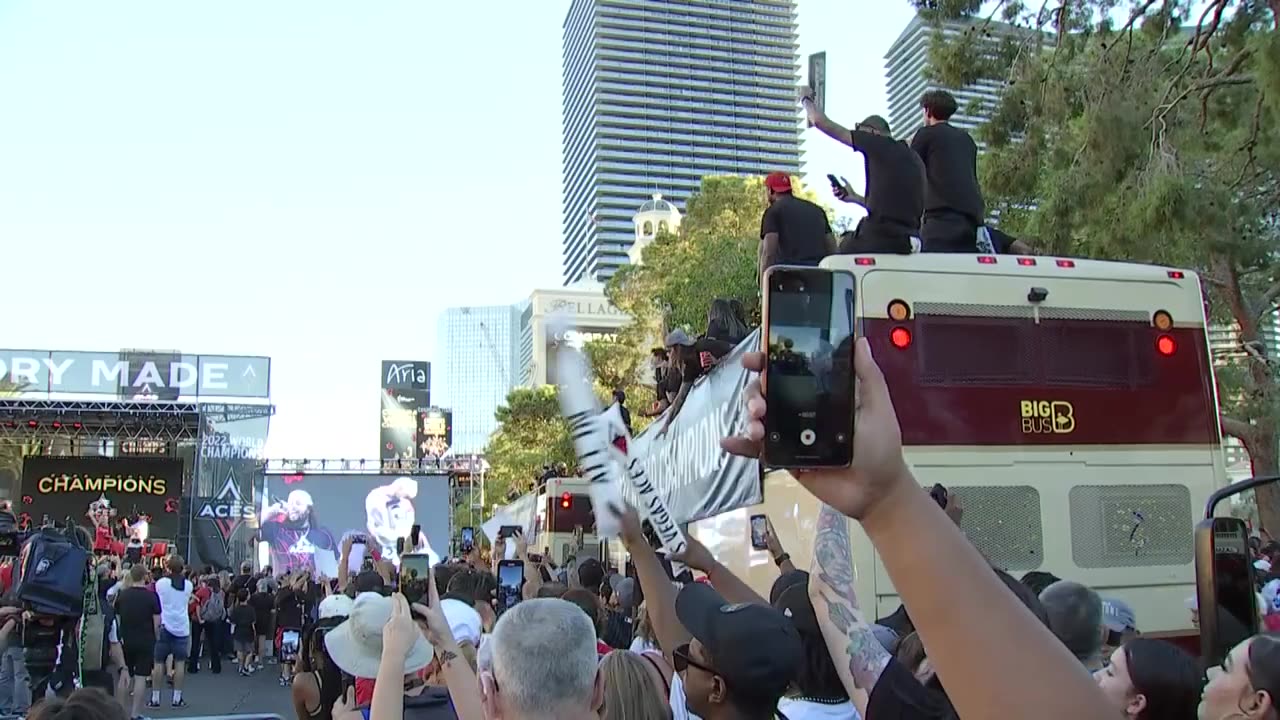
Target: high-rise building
x=905, y=78
x=659, y=94
x=477, y=363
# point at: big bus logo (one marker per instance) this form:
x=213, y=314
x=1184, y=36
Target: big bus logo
x=1045, y=417
x=227, y=510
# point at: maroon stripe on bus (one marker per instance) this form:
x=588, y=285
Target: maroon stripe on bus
x=1005, y=381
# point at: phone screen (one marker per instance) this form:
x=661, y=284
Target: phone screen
x=356, y=560
x=415, y=567
x=289, y=642
x=510, y=583
x=759, y=526
x=1237, y=614
x=468, y=539
x=809, y=376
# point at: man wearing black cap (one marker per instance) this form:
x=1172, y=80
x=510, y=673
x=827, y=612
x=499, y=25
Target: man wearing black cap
x=895, y=183
x=741, y=659
x=793, y=230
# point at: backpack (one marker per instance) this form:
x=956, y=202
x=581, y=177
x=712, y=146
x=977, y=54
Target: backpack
x=213, y=609
x=53, y=568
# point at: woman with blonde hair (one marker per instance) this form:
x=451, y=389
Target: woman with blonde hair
x=632, y=690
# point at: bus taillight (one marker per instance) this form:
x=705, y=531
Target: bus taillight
x=864, y=261
x=1026, y=262
x=1162, y=320
x=1066, y=263
x=899, y=311
x=900, y=337
x=1166, y=345
x=986, y=259
x=1176, y=274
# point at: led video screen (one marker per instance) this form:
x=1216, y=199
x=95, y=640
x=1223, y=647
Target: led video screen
x=303, y=518
x=95, y=491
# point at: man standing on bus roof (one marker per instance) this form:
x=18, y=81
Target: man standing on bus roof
x=895, y=182
x=953, y=206
x=793, y=230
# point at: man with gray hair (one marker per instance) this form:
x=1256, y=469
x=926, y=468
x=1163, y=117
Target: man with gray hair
x=544, y=664
x=1075, y=616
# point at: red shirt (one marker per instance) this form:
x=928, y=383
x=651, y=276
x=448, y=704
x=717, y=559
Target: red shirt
x=102, y=538
x=6, y=578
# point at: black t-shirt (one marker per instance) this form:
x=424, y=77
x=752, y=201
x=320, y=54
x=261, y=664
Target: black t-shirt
x=692, y=368
x=243, y=617
x=951, y=164
x=895, y=181
x=136, y=608
x=897, y=695
x=262, y=604
x=802, y=230
x=288, y=609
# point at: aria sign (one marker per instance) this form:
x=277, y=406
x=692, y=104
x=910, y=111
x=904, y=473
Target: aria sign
x=95, y=373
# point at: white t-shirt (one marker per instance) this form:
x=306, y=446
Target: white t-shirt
x=796, y=709
x=173, y=606
x=678, y=709
x=639, y=645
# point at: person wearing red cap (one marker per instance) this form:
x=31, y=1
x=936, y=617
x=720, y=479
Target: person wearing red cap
x=793, y=231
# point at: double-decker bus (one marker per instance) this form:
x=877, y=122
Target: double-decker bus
x=1070, y=403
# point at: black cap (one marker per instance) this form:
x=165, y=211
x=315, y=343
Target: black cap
x=369, y=581
x=753, y=647
x=790, y=596
x=876, y=122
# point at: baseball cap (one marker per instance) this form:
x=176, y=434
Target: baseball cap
x=1118, y=616
x=755, y=648
x=778, y=182
x=793, y=602
x=624, y=588
x=876, y=122
x=678, y=337
x=464, y=621
x=335, y=606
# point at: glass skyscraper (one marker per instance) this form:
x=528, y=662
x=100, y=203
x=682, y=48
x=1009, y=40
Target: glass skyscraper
x=659, y=94
x=477, y=361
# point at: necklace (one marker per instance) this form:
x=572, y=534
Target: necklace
x=818, y=701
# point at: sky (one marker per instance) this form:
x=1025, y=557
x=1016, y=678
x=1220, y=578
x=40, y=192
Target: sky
x=310, y=180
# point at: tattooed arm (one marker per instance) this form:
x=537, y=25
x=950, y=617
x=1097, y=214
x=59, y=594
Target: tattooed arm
x=858, y=656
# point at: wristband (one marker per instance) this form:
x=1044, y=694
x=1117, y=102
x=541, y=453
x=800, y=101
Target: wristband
x=781, y=559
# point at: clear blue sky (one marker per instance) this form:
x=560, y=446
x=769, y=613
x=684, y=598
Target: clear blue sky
x=309, y=180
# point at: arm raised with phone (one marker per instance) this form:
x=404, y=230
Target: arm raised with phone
x=1000, y=662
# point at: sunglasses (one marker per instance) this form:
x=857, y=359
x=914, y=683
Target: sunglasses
x=683, y=660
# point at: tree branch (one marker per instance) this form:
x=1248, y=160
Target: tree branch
x=1238, y=429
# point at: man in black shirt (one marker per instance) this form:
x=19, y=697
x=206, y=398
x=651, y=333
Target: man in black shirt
x=953, y=207
x=895, y=183
x=137, y=618
x=793, y=230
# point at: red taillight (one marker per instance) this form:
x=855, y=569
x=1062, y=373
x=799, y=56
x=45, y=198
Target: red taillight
x=864, y=261
x=1067, y=263
x=1166, y=345
x=1177, y=274
x=1026, y=262
x=986, y=259
x=566, y=501
x=900, y=337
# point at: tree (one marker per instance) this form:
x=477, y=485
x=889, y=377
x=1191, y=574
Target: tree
x=532, y=434
x=714, y=254
x=1152, y=137
x=12, y=450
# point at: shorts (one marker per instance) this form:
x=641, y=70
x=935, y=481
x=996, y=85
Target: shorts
x=949, y=233
x=169, y=644
x=876, y=239
x=139, y=658
x=247, y=647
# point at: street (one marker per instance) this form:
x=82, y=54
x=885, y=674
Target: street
x=257, y=696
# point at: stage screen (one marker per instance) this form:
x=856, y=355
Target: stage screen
x=303, y=518
x=58, y=487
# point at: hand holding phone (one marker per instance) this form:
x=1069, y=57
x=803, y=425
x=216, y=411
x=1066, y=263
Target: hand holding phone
x=759, y=532
x=510, y=584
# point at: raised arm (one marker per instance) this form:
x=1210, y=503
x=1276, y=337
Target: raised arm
x=730, y=586
x=659, y=593
x=819, y=119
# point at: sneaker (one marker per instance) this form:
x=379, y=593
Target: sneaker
x=180, y=703
x=284, y=682
x=152, y=703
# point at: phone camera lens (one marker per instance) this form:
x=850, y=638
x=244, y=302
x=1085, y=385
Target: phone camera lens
x=775, y=437
x=801, y=287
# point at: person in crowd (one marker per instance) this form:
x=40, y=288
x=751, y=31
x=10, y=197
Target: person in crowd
x=631, y=690
x=725, y=326
x=475, y=588
x=318, y=684
x=589, y=602
x=1121, y=625
x=1247, y=684
x=173, y=637
x=817, y=690
x=137, y=621
x=953, y=206
x=793, y=230
x=690, y=360
x=206, y=633
x=895, y=183
x=244, y=620
x=245, y=580
x=996, y=662
x=82, y=704
x=263, y=603
x=294, y=534
x=620, y=606
x=644, y=638
x=544, y=664
x=1038, y=580
x=1151, y=680
x=667, y=382
x=289, y=609
x=620, y=399
x=1075, y=615
x=15, y=682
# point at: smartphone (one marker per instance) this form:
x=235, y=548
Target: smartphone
x=1225, y=596
x=507, y=531
x=356, y=559
x=415, y=573
x=759, y=528
x=290, y=640
x=939, y=495
x=510, y=583
x=835, y=182
x=468, y=539
x=414, y=532
x=808, y=377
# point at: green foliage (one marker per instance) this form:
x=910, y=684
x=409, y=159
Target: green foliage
x=622, y=363
x=1151, y=137
x=532, y=434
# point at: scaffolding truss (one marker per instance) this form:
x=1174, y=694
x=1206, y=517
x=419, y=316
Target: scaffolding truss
x=121, y=420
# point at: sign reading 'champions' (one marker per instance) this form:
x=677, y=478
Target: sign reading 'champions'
x=60, y=487
x=76, y=483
